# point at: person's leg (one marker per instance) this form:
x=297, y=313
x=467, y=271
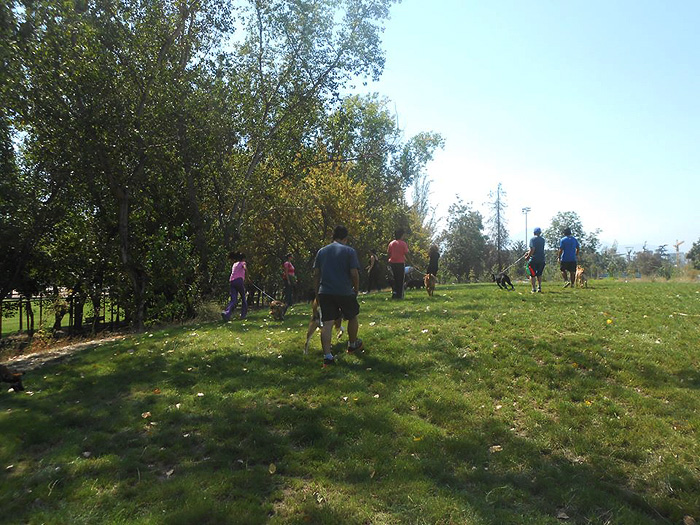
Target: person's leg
x=233, y=294
x=288, y=293
x=240, y=288
x=397, y=272
x=532, y=274
x=326, y=334
x=353, y=327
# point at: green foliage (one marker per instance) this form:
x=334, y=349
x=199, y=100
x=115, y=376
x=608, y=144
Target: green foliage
x=463, y=242
x=148, y=149
x=475, y=406
x=694, y=255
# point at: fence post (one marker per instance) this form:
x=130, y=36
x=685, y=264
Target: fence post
x=20, y=315
x=2, y=301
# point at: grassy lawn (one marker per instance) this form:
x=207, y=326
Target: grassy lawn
x=475, y=406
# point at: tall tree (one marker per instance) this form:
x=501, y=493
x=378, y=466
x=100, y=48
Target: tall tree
x=463, y=241
x=497, y=227
x=294, y=59
x=588, y=241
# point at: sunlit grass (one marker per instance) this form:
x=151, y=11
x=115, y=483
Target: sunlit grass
x=474, y=406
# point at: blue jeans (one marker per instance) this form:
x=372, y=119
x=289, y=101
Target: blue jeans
x=237, y=287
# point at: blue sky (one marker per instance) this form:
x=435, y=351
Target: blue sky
x=591, y=107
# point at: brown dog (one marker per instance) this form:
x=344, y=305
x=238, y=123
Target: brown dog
x=14, y=378
x=277, y=309
x=429, y=281
x=316, y=323
x=581, y=280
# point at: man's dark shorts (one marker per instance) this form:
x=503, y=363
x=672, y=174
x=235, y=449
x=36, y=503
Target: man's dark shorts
x=333, y=306
x=535, y=269
x=569, y=266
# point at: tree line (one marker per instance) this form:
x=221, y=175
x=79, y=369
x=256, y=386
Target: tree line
x=142, y=140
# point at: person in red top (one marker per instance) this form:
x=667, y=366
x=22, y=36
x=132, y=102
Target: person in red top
x=397, y=251
x=289, y=278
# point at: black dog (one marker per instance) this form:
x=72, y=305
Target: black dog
x=416, y=284
x=14, y=378
x=502, y=280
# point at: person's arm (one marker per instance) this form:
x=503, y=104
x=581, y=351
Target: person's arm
x=559, y=254
x=285, y=272
x=317, y=280
x=355, y=277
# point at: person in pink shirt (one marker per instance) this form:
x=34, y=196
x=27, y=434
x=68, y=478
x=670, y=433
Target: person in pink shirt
x=237, y=286
x=397, y=251
x=289, y=278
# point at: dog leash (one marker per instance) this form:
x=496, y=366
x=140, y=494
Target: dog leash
x=262, y=291
x=516, y=262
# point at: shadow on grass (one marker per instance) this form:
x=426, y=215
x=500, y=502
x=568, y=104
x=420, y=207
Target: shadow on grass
x=120, y=437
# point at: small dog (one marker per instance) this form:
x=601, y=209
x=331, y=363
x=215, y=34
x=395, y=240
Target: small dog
x=502, y=280
x=581, y=280
x=315, y=322
x=14, y=378
x=414, y=283
x=429, y=281
x=277, y=309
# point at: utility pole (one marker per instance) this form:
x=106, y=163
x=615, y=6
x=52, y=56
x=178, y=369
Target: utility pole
x=526, y=209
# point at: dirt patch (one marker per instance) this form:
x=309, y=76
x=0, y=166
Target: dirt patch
x=34, y=360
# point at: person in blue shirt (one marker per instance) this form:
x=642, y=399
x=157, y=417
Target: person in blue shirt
x=536, y=260
x=336, y=283
x=568, y=254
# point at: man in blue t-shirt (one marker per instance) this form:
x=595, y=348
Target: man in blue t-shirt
x=336, y=282
x=568, y=253
x=535, y=260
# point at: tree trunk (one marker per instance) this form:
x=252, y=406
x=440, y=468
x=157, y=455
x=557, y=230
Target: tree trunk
x=137, y=275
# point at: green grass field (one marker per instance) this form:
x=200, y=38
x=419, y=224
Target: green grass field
x=475, y=406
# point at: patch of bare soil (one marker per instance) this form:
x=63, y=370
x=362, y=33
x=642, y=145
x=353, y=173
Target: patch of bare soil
x=54, y=354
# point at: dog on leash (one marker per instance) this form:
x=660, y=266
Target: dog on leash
x=414, y=284
x=14, y=378
x=429, y=281
x=316, y=323
x=581, y=279
x=277, y=309
x=502, y=280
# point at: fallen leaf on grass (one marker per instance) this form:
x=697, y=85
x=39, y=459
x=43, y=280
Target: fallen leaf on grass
x=495, y=448
x=376, y=396
x=688, y=520
x=419, y=438
x=272, y=468
x=146, y=415
x=87, y=454
x=561, y=515
x=156, y=390
x=200, y=394
x=169, y=473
